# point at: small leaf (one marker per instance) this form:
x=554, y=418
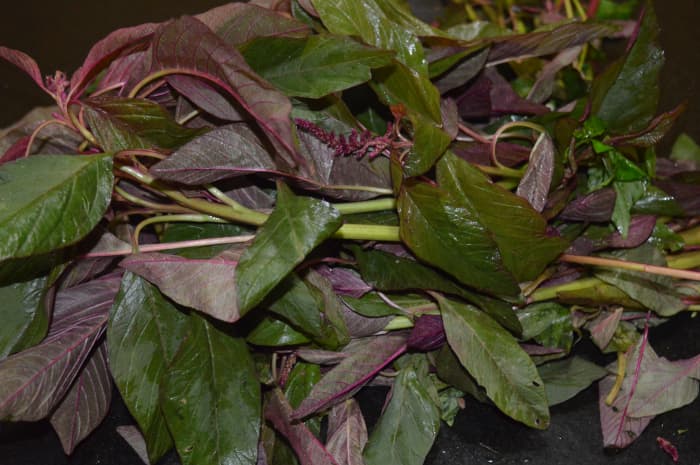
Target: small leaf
x=24, y=316
x=86, y=403
x=685, y=148
x=494, y=358
x=352, y=373
x=315, y=66
x=548, y=323
x=145, y=331
x=563, y=379
x=133, y=437
x=409, y=425
x=603, y=327
x=207, y=285
x=68, y=201
x=25, y=63
x=36, y=379
x=211, y=399
x=273, y=332
x=347, y=433
x=535, y=183
x=293, y=230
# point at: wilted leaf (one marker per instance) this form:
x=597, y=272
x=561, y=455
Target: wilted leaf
x=86, y=403
x=36, y=379
x=494, y=358
x=535, y=183
x=211, y=399
x=38, y=217
x=409, y=424
x=145, y=331
x=563, y=379
x=352, y=373
x=347, y=433
x=315, y=66
x=293, y=230
x=207, y=285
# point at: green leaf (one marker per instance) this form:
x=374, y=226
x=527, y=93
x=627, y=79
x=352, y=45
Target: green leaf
x=654, y=291
x=295, y=228
x=130, y=123
x=564, y=379
x=548, y=323
x=494, y=358
x=273, y=332
x=211, y=399
x=387, y=272
x=51, y=201
x=145, y=331
x=685, y=148
x=627, y=194
x=372, y=305
x=315, y=66
x=625, y=96
x=407, y=429
x=24, y=316
x=367, y=20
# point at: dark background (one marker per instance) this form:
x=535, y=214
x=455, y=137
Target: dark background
x=58, y=34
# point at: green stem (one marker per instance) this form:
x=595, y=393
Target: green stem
x=374, y=205
x=399, y=322
x=551, y=292
x=500, y=170
x=146, y=204
x=171, y=219
x=368, y=232
x=148, y=79
x=632, y=266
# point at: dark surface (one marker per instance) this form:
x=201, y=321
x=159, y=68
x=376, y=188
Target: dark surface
x=59, y=34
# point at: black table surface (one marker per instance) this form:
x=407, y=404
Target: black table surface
x=58, y=35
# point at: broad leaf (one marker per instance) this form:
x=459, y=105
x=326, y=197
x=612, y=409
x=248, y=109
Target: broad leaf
x=36, y=379
x=207, y=285
x=273, y=332
x=409, y=425
x=535, y=183
x=352, y=373
x=25, y=63
x=347, y=433
x=308, y=448
x=293, y=230
x=315, y=66
x=211, y=399
x=86, y=403
x=122, y=124
x=145, y=331
x=547, y=323
x=24, y=315
x=48, y=202
x=603, y=327
x=494, y=358
x=563, y=379
x=191, y=48
x=625, y=96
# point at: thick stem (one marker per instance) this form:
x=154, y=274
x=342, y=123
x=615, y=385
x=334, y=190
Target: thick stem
x=551, y=292
x=367, y=206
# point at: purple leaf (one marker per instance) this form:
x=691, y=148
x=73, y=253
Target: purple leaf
x=508, y=154
x=345, y=281
x=117, y=42
x=308, y=448
x=207, y=285
x=428, y=334
x=134, y=438
x=353, y=372
x=208, y=98
x=653, y=133
x=603, y=327
x=687, y=195
x=594, y=207
x=237, y=23
x=535, y=183
x=542, y=89
x=86, y=403
x=347, y=433
x=35, y=380
x=126, y=71
x=362, y=326
x=190, y=47
x=25, y=63
x=640, y=229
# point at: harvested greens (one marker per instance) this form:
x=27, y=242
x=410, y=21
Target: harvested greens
x=244, y=217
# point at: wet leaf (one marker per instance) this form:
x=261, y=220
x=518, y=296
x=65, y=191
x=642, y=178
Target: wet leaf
x=293, y=230
x=36, y=379
x=145, y=331
x=494, y=358
x=211, y=398
x=38, y=217
x=86, y=403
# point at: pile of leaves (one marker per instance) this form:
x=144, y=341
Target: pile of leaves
x=244, y=217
